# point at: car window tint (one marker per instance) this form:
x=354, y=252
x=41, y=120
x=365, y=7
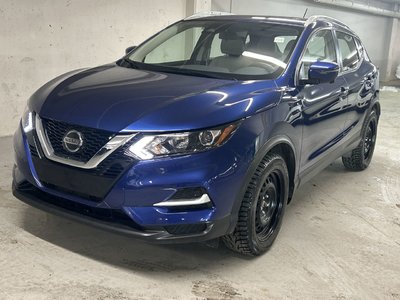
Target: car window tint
x=320, y=47
x=348, y=50
x=171, y=50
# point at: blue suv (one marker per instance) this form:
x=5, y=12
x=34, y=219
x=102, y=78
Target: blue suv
x=205, y=130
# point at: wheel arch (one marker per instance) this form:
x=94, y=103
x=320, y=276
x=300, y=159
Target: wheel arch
x=377, y=108
x=279, y=144
x=287, y=152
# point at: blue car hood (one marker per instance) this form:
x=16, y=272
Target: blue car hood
x=117, y=99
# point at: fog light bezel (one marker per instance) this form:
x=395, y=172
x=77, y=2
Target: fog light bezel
x=187, y=197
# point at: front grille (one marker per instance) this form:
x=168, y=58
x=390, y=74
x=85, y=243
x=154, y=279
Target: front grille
x=91, y=184
x=93, y=139
x=86, y=196
x=33, y=150
x=115, y=163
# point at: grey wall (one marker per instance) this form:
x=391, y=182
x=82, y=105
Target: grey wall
x=394, y=54
x=373, y=30
x=40, y=39
x=397, y=47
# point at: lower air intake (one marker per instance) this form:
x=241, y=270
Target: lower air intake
x=186, y=228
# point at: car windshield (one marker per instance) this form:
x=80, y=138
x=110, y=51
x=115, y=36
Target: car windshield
x=223, y=49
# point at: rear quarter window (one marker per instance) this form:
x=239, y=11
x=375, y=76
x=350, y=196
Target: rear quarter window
x=362, y=51
x=349, y=52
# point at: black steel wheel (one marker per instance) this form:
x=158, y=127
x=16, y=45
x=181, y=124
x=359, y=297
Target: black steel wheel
x=262, y=208
x=369, y=140
x=359, y=158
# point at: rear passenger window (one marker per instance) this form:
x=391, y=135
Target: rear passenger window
x=348, y=50
x=361, y=50
x=321, y=47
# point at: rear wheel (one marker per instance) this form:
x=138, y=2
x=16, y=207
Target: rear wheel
x=359, y=158
x=262, y=208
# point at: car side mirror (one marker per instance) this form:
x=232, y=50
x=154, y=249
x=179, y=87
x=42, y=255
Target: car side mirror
x=129, y=49
x=322, y=72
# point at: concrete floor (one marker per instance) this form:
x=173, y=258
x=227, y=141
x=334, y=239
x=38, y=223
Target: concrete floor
x=340, y=240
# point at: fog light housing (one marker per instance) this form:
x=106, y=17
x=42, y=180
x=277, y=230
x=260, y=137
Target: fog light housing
x=187, y=197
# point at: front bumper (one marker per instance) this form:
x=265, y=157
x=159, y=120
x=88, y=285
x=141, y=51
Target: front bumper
x=133, y=196
x=86, y=215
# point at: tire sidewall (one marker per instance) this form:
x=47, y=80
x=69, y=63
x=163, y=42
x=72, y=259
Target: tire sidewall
x=371, y=118
x=277, y=163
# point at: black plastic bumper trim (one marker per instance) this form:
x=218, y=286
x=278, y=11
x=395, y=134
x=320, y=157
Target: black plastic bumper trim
x=213, y=229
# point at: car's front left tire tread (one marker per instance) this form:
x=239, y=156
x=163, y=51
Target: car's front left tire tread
x=242, y=239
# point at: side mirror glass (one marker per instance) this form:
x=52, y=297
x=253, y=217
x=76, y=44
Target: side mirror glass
x=129, y=49
x=322, y=72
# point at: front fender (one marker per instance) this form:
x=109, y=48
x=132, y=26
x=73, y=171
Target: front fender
x=282, y=133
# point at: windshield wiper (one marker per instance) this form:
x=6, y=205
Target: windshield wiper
x=131, y=63
x=192, y=72
x=174, y=70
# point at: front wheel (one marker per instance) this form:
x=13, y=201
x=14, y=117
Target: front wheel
x=359, y=158
x=262, y=208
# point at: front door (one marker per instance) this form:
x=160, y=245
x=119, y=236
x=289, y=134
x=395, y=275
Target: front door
x=322, y=105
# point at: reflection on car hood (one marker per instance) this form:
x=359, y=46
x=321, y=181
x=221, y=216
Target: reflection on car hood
x=115, y=98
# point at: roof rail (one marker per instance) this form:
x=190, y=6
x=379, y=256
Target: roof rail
x=205, y=14
x=324, y=18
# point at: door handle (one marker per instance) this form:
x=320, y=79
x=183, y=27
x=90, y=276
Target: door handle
x=293, y=100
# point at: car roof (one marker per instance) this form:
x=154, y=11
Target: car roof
x=251, y=18
x=294, y=21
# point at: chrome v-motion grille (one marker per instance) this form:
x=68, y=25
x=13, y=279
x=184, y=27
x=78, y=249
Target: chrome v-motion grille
x=96, y=146
x=94, y=139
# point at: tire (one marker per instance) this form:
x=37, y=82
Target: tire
x=262, y=209
x=359, y=158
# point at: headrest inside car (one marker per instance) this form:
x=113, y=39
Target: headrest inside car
x=232, y=35
x=232, y=47
x=289, y=46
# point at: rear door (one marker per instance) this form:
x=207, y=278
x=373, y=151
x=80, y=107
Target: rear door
x=360, y=75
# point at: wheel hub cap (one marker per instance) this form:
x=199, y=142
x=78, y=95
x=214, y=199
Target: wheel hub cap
x=268, y=206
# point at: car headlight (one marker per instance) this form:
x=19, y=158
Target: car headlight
x=153, y=146
x=27, y=120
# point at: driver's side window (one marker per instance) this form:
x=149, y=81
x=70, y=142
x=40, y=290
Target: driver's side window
x=321, y=47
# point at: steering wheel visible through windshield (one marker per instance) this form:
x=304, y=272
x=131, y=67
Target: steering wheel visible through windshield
x=222, y=49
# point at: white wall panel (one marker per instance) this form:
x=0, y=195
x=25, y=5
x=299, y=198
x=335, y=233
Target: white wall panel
x=40, y=39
